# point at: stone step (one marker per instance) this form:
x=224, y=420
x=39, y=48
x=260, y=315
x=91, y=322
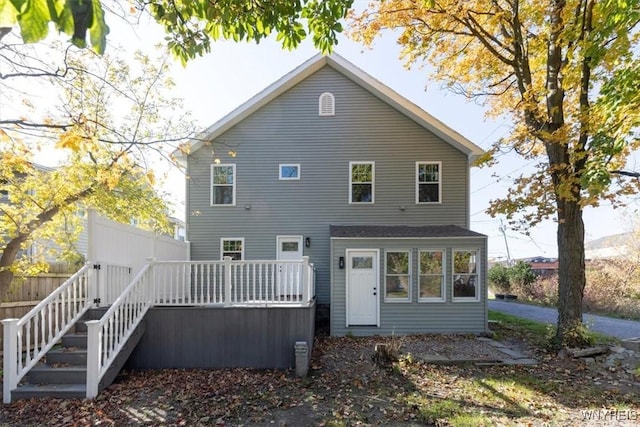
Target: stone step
x=59, y=391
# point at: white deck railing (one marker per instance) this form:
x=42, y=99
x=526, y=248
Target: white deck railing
x=232, y=282
x=106, y=337
x=28, y=339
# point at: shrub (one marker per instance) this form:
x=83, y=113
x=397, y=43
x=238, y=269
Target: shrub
x=521, y=275
x=499, y=278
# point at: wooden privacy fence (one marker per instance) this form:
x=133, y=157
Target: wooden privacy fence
x=26, y=292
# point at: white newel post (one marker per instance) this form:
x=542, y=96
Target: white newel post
x=150, y=286
x=94, y=350
x=227, y=281
x=10, y=330
x=94, y=286
x=306, y=283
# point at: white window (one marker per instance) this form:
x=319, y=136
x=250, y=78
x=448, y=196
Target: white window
x=397, y=276
x=465, y=275
x=428, y=182
x=223, y=185
x=289, y=171
x=361, y=182
x=326, y=105
x=232, y=247
x=431, y=270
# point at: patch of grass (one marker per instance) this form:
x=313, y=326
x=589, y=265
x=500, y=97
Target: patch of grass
x=537, y=333
x=449, y=411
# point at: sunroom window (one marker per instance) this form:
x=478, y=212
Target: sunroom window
x=465, y=275
x=397, y=276
x=431, y=276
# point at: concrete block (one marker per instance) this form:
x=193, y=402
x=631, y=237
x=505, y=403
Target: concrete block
x=302, y=358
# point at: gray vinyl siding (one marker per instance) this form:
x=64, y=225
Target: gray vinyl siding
x=289, y=130
x=414, y=316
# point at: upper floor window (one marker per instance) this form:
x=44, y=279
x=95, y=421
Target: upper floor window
x=233, y=248
x=428, y=182
x=431, y=276
x=326, y=105
x=397, y=277
x=465, y=275
x=223, y=185
x=361, y=182
x=289, y=171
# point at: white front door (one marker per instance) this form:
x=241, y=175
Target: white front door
x=362, y=287
x=289, y=275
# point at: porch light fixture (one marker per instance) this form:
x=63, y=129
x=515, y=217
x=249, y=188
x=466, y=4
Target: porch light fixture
x=307, y=242
x=341, y=263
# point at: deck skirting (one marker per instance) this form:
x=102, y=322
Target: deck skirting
x=223, y=337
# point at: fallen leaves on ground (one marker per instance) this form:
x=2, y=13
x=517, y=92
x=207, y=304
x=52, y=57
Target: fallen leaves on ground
x=345, y=388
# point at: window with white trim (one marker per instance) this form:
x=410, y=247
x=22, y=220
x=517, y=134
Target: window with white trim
x=233, y=248
x=465, y=275
x=431, y=271
x=223, y=185
x=326, y=105
x=397, y=276
x=289, y=171
x=361, y=182
x=428, y=182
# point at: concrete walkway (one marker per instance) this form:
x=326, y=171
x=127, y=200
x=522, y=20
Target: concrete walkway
x=611, y=326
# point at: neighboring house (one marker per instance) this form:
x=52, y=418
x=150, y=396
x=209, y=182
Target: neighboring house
x=329, y=163
x=542, y=266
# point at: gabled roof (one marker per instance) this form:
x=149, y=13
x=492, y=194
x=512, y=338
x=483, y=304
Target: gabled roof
x=358, y=76
x=400, y=231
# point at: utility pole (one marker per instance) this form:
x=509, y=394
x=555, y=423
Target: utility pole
x=503, y=230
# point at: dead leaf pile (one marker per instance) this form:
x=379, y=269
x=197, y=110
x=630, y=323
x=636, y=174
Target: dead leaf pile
x=344, y=387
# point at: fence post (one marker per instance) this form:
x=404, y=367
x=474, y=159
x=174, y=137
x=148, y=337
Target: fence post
x=94, y=353
x=227, y=281
x=94, y=285
x=10, y=368
x=305, y=279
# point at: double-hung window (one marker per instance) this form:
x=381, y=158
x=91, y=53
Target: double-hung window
x=428, y=182
x=465, y=275
x=223, y=185
x=397, y=276
x=361, y=182
x=233, y=248
x=431, y=276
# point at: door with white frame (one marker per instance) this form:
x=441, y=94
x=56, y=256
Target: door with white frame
x=362, y=287
x=289, y=275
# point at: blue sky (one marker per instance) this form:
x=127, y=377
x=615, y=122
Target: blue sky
x=214, y=85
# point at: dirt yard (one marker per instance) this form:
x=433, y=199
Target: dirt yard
x=345, y=388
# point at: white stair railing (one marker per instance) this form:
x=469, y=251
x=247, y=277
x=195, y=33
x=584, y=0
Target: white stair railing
x=28, y=339
x=106, y=337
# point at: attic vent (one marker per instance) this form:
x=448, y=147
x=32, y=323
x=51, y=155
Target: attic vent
x=326, y=105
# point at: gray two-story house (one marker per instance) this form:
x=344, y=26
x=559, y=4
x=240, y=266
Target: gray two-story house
x=331, y=164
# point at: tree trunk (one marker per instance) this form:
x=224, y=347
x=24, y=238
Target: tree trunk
x=8, y=257
x=571, y=273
